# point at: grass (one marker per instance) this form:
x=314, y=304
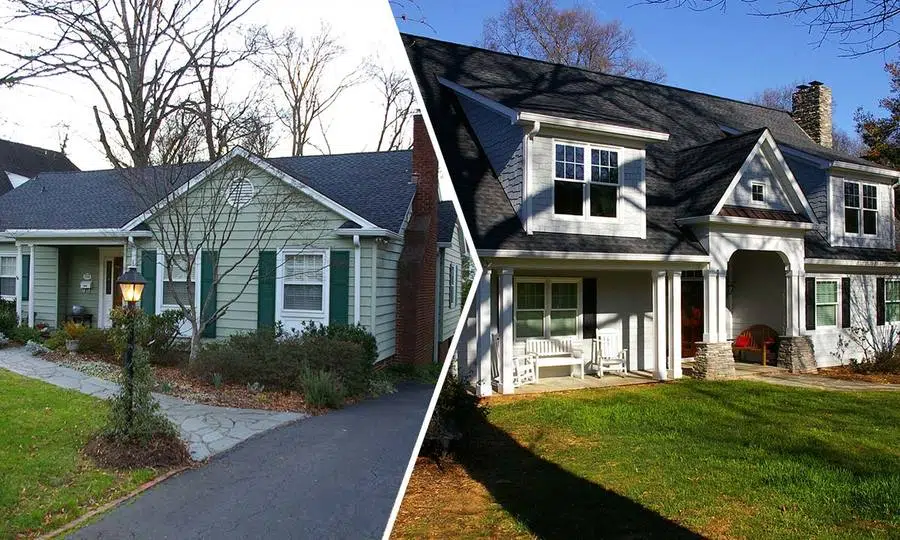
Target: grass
x=45, y=481
x=720, y=459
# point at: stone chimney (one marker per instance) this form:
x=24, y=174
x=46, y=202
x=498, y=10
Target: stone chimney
x=812, y=111
x=417, y=267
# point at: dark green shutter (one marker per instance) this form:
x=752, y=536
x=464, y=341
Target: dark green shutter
x=589, y=308
x=845, y=302
x=148, y=270
x=265, y=294
x=208, y=299
x=26, y=276
x=879, y=302
x=339, y=288
x=810, y=303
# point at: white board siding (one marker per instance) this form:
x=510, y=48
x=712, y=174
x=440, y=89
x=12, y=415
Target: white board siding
x=625, y=304
x=45, y=288
x=386, y=297
x=450, y=315
x=757, y=291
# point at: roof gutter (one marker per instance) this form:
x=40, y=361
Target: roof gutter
x=638, y=134
x=746, y=222
x=593, y=256
x=851, y=263
x=76, y=233
x=855, y=167
x=366, y=232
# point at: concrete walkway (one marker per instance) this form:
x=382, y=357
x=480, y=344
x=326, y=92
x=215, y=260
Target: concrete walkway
x=821, y=382
x=207, y=430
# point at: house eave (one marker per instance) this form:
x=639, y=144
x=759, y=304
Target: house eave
x=746, y=222
x=367, y=233
x=76, y=233
x=856, y=167
x=637, y=134
x=591, y=256
x=818, y=263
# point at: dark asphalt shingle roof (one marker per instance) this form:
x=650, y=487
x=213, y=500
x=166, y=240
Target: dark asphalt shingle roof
x=376, y=186
x=446, y=221
x=692, y=119
x=28, y=161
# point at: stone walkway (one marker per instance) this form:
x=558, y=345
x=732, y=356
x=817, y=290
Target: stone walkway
x=208, y=430
x=825, y=383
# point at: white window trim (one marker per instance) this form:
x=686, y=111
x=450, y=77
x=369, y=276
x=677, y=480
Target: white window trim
x=861, y=209
x=837, y=303
x=586, y=182
x=162, y=276
x=886, y=301
x=453, y=287
x=280, y=312
x=14, y=275
x=548, y=296
x=764, y=193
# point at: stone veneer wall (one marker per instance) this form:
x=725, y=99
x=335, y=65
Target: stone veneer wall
x=713, y=361
x=796, y=354
x=812, y=111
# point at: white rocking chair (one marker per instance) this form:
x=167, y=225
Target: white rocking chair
x=608, y=356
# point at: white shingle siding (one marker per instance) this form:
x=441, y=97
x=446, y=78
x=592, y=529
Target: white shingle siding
x=884, y=238
x=758, y=171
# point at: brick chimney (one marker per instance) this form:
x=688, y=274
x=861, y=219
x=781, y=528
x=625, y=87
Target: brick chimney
x=417, y=268
x=812, y=111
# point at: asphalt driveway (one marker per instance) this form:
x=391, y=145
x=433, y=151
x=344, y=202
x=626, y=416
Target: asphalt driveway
x=331, y=476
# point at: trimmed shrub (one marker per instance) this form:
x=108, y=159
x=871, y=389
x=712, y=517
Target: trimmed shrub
x=24, y=333
x=95, y=341
x=155, y=333
x=343, y=332
x=57, y=340
x=74, y=330
x=320, y=388
x=251, y=357
x=8, y=318
x=344, y=359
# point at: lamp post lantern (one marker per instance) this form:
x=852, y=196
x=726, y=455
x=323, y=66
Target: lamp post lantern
x=132, y=285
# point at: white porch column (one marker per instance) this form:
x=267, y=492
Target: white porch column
x=659, y=319
x=19, y=278
x=675, y=324
x=722, y=307
x=506, y=331
x=794, y=302
x=801, y=302
x=483, y=339
x=710, y=306
x=31, y=286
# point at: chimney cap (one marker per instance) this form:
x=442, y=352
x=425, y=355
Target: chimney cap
x=816, y=83
x=802, y=86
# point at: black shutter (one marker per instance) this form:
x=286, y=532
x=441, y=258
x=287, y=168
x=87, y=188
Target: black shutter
x=845, y=302
x=589, y=308
x=879, y=299
x=810, y=303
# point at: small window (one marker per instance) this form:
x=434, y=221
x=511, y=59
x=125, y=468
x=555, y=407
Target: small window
x=8, y=277
x=892, y=301
x=826, y=303
x=304, y=282
x=240, y=192
x=758, y=192
x=178, y=285
x=530, y=300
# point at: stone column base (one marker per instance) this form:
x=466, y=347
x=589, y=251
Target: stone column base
x=713, y=361
x=796, y=354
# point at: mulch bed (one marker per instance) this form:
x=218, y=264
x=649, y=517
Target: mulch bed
x=846, y=373
x=160, y=452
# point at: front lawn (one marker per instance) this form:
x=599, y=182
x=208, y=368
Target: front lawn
x=734, y=459
x=45, y=481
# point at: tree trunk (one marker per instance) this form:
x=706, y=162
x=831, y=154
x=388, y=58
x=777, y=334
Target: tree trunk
x=195, y=345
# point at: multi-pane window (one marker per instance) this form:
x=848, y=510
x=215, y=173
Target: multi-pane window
x=178, y=284
x=860, y=208
x=546, y=309
x=304, y=282
x=892, y=301
x=758, y=192
x=826, y=303
x=8, y=277
x=576, y=194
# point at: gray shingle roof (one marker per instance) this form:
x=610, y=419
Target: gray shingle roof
x=28, y=161
x=374, y=185
x=446, y=221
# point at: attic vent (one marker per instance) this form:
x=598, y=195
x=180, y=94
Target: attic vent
x=240, y=192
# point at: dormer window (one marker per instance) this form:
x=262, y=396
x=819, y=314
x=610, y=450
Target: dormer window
x=758, y=192
x=593, y=195
x=860, y=208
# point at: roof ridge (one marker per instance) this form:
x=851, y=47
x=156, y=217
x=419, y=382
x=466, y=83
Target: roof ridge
x=593, y=72
x=41, y=148
x=357, y=153
x=729, y=138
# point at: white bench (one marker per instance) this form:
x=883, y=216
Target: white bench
x=556, y=352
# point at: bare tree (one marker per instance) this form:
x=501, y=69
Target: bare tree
x=141, y=57
x=397, y=97
x=572, y=36
x=300, y=70
x=861, y=26
x=206, y=226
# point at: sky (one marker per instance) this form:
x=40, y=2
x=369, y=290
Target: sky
x=36, y=114
x=731, y=54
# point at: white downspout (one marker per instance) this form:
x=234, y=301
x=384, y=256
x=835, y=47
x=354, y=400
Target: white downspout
x=374, y=291
x=133, y=252
x=19, y=277
x=356, y=278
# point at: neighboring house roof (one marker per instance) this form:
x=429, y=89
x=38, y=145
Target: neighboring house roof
x=377, y=186
x=686, y=175
x=446, y=221
x=28, y=161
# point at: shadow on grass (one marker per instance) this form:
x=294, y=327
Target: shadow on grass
x=552, y=502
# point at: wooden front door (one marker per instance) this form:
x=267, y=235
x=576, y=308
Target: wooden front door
x=112, y=294
x=691, y=316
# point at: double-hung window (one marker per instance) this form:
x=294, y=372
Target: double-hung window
x=826, y=303
x=860, y=208
x=586, y=180
x=304, y=282
x=178, y=283
x=546, y=308
x=8, y=278
x=892, y=300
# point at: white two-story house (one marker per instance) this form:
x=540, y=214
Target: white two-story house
x=668, y=220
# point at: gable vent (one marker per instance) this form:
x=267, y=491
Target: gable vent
x=240, y=192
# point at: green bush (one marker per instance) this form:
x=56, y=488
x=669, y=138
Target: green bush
x=344, y=359
x=457, y=410
x=57, y=340
x=155, y=333
x=251, y=357
x=8, y=318
x=94, y=341
x=343, y=332
x=321, y=388
x=24, y=333
x=146, y=420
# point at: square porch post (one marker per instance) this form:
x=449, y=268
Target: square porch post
x=483, y=339
x=659, y=319
x=710, y=306
x=721, y=307
x=675, y=324
x=506, y=331
x=19, y=278
x=794, y=301
x=31, y=286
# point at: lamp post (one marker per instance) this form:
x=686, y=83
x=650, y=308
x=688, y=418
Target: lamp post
x=132, y=285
